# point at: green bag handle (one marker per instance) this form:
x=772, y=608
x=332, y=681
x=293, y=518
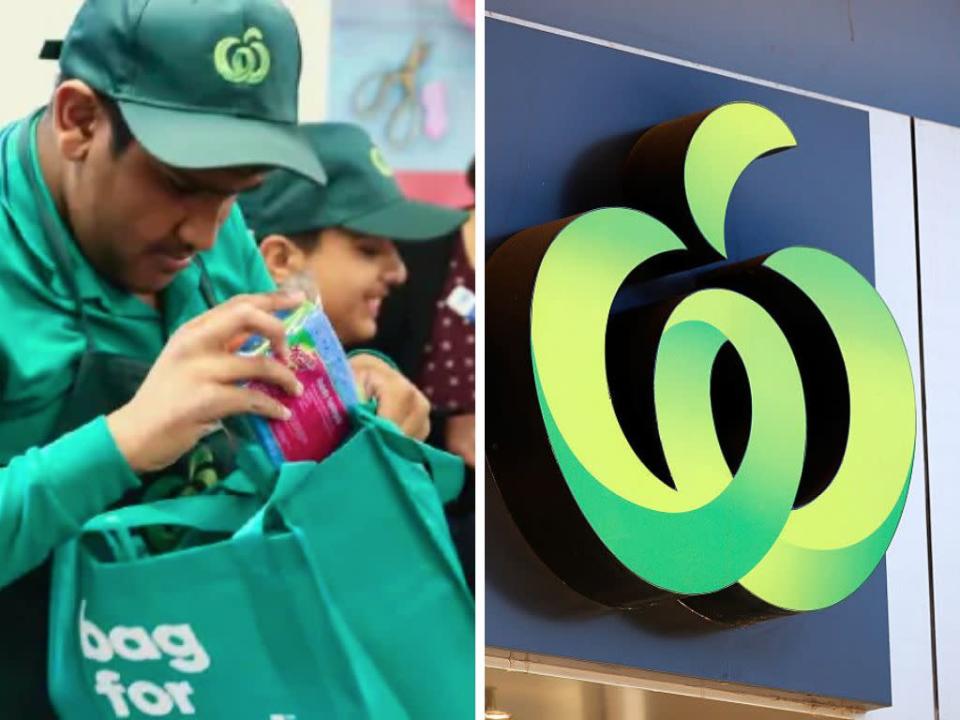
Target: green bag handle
x=224, y=513
x=259, y=474
x=228, y=513
x=445, y=469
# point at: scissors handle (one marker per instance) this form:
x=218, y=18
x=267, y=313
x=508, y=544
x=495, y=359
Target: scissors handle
x=370, y=93
x=404, y=122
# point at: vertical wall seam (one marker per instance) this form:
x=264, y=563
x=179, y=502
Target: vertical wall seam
x=922, y=376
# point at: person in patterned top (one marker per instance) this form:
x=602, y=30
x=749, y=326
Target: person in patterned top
x=427, y=327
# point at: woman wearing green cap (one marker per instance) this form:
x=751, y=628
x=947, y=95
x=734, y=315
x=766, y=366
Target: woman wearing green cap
x=127, y=272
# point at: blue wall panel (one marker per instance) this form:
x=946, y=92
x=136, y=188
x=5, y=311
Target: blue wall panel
x=902, y=56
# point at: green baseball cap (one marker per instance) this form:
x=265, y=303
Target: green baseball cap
x=361, y=194
x=201, y=83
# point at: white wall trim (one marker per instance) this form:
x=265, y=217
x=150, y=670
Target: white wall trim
x=895, y=268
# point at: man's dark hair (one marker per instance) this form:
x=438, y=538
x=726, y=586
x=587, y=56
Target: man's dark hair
x=122, y=135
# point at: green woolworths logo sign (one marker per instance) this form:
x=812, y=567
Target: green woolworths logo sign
x=745, y=445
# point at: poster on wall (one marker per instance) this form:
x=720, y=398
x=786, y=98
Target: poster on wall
x=404, y=70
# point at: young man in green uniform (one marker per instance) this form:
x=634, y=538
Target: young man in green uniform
x=341, y=239
x=127, y=273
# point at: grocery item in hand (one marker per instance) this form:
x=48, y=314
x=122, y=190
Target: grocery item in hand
x=320, y=416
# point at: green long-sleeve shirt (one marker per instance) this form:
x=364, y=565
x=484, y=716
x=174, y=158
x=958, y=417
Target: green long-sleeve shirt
x=49, y=489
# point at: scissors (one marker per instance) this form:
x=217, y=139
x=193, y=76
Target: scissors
x=370, y=96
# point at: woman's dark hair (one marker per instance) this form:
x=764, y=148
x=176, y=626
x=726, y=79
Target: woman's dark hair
x=306, y=241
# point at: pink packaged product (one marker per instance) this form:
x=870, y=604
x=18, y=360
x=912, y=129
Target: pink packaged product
x=320, y=419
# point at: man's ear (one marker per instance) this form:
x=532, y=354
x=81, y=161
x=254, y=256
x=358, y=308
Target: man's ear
x=282, y=256
x=77, y=116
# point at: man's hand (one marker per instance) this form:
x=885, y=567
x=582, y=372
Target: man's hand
x=398, y=399
x=460, y=437
x=195, y=382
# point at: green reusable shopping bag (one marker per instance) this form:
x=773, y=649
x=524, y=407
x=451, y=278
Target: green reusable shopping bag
x=338, y=597
x=396, y=576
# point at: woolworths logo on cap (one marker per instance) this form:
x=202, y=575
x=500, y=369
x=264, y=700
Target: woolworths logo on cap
x=243, y=62
x=380, y=162
x=746, y=446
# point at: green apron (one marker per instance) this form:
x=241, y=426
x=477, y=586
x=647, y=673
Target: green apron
x=103, y=383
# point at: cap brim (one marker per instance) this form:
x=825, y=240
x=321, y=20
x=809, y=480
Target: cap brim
x=199, y=141
x=408, y=220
